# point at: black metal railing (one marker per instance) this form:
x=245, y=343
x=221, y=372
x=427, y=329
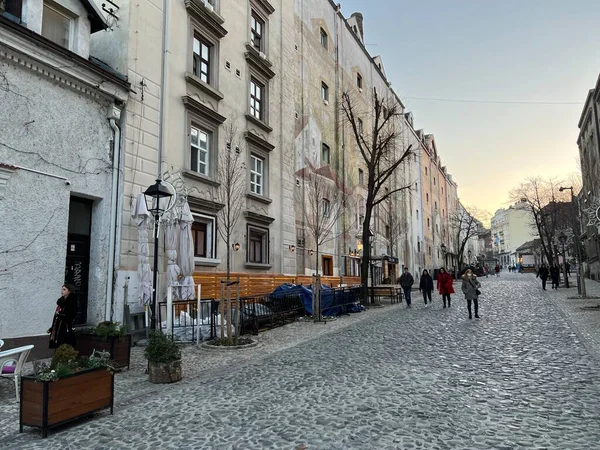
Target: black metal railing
x=339, y=300
x=271, y=309
x=187, y=321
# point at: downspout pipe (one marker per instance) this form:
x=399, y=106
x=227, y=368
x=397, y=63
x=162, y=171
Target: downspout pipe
x=162, y=138
x=114, y=115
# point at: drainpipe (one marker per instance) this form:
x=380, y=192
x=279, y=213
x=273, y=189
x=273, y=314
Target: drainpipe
x=114, y=114
x=162, y=136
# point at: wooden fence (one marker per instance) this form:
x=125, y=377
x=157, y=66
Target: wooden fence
x=263, y=283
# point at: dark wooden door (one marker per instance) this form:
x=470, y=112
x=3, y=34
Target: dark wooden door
x=77, y=270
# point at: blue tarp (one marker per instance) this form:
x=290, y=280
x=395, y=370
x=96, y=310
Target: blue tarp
x=327, y=299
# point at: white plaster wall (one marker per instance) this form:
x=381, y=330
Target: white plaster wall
x=56, y=130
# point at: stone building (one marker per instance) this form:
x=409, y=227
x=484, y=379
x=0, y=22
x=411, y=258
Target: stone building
x=589, y=156
x=60, y=162
x=511, y=227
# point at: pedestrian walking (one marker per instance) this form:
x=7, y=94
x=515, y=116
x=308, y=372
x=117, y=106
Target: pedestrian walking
x=406, y=281
x=555, y=276
x=61, y=332
x=426, y=286
x=470, y=287
x=568, y=267
x=497, y=270
x=444, y=286
x=542, y=274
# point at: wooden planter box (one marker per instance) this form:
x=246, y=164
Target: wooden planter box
x=46, y=404
x=118, y=347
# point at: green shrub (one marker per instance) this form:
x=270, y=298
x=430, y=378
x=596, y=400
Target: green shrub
x=161, y=349
x=109, y=329
x=65, y=355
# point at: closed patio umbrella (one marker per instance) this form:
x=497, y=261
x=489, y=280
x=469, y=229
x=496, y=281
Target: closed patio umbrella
x=173, y=270
x=140, y=214
x=186, y=252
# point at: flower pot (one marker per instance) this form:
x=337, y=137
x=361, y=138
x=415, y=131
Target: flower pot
x=119, y=347
x=165, y=372
x=46, y=404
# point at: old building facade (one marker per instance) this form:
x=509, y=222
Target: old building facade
x=60, y=160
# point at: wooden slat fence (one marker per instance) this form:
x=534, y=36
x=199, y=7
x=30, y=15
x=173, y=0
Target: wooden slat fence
x=263, y=283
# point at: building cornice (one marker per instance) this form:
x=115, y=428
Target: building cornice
x=23, y=48
x=208, y=17
x=201, y=109
x=259, y=218
x=265, y=6
x=258, y=141
x=259, y=62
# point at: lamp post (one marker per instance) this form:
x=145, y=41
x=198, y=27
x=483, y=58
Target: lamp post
x=158, y=200
x=562, y=238
x=371, y=239
x=580, y=274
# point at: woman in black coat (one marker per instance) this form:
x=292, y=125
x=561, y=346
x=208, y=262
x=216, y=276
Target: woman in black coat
x=543, y=275
x=61, y=331
x=426, y=286
x=555, y=276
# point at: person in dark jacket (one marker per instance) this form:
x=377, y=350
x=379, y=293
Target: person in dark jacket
x=555, y=276
x=61, y=331
x=470, y=287
x=426, y=286
x=542, y=274
x=406, y=281
x=444, y=285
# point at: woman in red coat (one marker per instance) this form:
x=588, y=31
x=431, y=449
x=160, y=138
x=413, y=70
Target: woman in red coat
x=444, y=285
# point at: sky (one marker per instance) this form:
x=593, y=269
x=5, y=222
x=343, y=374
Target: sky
x=484, y=51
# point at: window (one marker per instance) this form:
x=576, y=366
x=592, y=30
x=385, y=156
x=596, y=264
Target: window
x=257, y=26
x=359, y=81
x=427, y=197
x=434, y=181
x=13, y=9
x=324, y=39
x=325, y=154
x=324, y=91
x=258, y=245
x=256, y=99
x=437, y=229
x=425, y=170
x=257, y=166
x=442, y=191
x=202, y=59
x=387, y=231
x=416, y=186
x=326, y=207
x=419, y=246
x=361, y=177
x=428, y=223
x=429, y=250
x=203, y=235
x=417, y=214
x=56, y=26
x=359, y=126
x=435, y=207
x=200, y=147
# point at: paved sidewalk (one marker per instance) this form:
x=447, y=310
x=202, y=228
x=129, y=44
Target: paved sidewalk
x=525, y=375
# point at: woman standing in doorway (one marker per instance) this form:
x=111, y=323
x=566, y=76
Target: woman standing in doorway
x=61, y=331
x=444, y=285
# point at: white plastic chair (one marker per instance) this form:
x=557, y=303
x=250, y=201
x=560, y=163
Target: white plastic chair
x=9, y=358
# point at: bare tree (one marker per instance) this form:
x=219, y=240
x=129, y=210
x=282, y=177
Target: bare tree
x=382, y=154
x=464, y=223
x=231, y=170
x=542, y=200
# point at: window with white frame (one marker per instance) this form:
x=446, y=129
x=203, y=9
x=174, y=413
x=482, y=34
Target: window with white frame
x=203, y=55
x=324, y=39
x=257, y=173
x=257, y=28
x=256, y=99
x=258, y=245
x=200, y=150
x=204, y=236
x=324, y=91
x=57, y=25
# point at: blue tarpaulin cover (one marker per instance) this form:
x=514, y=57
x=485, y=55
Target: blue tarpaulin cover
x=306, y=295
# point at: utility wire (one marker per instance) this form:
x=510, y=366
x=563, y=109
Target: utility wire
x=508, y=102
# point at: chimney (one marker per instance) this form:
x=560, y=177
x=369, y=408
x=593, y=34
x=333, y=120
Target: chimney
x=359, y=21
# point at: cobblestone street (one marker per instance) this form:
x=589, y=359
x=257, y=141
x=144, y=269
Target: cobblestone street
x=525, y=375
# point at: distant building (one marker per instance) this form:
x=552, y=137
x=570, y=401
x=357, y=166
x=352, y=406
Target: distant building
x=510, y=228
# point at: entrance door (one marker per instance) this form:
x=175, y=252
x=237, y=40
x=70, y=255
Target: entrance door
x=78, y=253
x=328, y=266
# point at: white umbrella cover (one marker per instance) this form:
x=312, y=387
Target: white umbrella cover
x=173, y=271
x=186, y=252
x=141, y=216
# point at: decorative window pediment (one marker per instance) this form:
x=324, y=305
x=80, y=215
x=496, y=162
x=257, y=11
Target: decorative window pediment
x=208, y=17
x=201, y=109
x=259, y=61
x=266, y=7
x=258, y=141
x=259, y=218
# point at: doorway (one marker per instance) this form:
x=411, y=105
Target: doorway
x=77, y=265
x=328, y=266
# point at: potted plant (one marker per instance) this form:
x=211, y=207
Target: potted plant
x=70, y=388
x=164, y=359
x=107, y=336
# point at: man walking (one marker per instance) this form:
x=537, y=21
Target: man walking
x=543, y=275
x=406, y=282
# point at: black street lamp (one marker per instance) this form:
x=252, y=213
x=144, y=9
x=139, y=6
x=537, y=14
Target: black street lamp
x=562, y=238
x=371, y=239
x=158, y=200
